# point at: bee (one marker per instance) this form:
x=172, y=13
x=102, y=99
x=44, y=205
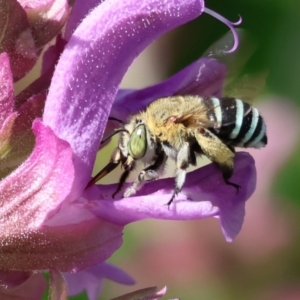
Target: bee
x=182, y=127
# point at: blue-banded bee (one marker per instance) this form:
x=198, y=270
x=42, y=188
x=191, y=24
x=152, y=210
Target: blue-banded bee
x=182, y=127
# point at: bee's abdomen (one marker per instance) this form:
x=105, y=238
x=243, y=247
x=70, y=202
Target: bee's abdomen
x=237, y=123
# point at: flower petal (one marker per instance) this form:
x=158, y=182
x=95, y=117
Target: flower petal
x=79, y=11
x=91, y=279
x=7, y=88
x=16, y=136
x=32, y=289
x=12, y=279
x=91, y=68
x=204, y=195
x=16, y=38
x=204, y=77
x=42, y=83
x=46, y=18
x=31, y=194
x=37, y=179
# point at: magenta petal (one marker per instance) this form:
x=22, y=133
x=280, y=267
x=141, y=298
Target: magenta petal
x=32, y=289
x=90, y=280
x=93, y=64
x=29, y=195
x=16, y=38
x=7, y=88
x=16, y=137
x=204, y=77
x=46, y=18
x=12, y=279
x=204, y=195
x=36, y=180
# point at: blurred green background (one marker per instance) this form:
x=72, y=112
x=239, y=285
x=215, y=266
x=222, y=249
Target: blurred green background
x=192, y=258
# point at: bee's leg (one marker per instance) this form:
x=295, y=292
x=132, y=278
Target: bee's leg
x=149, y=174
x=217, y=152
x=227, y=173
x=128, y=165
x=184, y=157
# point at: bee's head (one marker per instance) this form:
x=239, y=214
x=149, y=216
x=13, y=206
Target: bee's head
x=137, y=145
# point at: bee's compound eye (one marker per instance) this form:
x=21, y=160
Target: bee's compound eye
x=137, y=145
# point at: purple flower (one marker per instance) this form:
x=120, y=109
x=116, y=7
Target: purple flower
x=49, y=221
x=91, y=279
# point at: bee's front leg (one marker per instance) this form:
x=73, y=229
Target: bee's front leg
x=149, y=174
x=184, y=158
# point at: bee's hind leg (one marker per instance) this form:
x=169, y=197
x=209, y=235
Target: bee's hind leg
x=149, y=174
x=227, y=173
x=218, y=152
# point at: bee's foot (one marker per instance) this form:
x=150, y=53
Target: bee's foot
x=236, y=186
x=129, y=192
x=171, y=200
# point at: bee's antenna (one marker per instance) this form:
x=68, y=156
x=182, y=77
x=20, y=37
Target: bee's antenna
x=115, y=132
x=106, y=170
x=115, y=119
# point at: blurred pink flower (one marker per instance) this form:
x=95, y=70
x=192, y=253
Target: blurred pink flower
x=286, y=291
x=264, y=218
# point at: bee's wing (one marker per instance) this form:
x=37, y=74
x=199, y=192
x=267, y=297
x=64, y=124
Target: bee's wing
x=214, y=148
x=245, y=87
x=236, y=60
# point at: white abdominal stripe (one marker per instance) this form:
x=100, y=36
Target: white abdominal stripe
x=238, y=123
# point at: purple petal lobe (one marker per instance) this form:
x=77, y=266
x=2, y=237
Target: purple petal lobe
x=90, y=279
x=7, y=88
x=79, y=11
x=111, y=272
x=204, y=195
x=96, y=58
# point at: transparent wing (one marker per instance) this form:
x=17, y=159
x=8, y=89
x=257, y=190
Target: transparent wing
x=244, y=87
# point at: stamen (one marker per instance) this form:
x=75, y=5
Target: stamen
x=231, y=26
